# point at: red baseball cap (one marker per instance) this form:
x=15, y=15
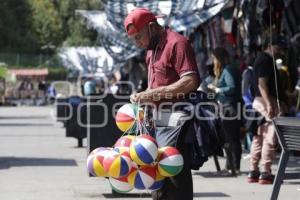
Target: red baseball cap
x=139, y=18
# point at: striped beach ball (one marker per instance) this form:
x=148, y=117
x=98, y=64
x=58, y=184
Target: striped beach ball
x=170, y=161
x=117, y=165
x=143, y=150
x=123, y=151
x=127, y=118
x=124, y=141
x=158, y=183
x=142, y=178
x=120, y=185
x=95, y=162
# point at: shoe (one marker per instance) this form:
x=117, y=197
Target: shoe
x=237, y=172
x=266, y=178
x=253, y=176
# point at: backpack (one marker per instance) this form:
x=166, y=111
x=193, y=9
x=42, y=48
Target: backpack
x=248, y=86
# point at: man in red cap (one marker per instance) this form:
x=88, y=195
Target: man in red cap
x=172, y=71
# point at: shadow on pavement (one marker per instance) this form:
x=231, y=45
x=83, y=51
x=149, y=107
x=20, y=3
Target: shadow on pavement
x=25, y=124
x=210, y=194
x=140, y=195
x=129, y=195
x=25, y=117
x=7, y=162
x=221, y=174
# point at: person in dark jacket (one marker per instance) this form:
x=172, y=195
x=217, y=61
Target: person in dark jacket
x=227, y=86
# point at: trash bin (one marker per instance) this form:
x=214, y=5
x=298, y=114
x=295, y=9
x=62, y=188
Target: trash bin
x=101, y=109
x=73, y=128
x=61, y=109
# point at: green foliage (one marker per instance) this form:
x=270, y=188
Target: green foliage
x=3, y=72
x=46, y=23
x=15, y=25
x=41, y=26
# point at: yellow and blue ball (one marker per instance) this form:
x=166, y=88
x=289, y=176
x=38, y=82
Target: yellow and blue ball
x=142, y=178
x=170, y=161
x=158, y=183
x=143, y=150
x=117, y=165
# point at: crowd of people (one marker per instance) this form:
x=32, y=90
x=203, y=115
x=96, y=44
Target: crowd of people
x=29, y=91
x=266, y=90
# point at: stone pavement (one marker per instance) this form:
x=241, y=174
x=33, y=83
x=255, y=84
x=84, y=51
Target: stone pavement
x=37, y=162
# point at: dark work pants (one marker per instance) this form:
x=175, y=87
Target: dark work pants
x=231, y=128
x=179, y=187
x=232, y=142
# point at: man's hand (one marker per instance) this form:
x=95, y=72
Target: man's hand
x=141, y=97
x=270, y=112
x=133, y=98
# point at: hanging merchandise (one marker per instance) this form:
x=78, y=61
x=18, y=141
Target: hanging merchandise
x=227, y=25
x=291, y=17
x=135, y=160
x=120, y=185
x=217, y=37
x=94, y=162
x=128, y=117
x=198, y=38
x=170, y=161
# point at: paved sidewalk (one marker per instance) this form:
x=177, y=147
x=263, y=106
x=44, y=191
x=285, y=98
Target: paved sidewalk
x=37, y=162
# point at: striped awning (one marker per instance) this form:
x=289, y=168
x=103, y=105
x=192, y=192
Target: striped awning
x=29, y=72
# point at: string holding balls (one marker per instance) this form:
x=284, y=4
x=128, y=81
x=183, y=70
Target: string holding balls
x=142, y=178
x=143, y=150
x=95, y=162
x=120, y=185
x=170, y=161
x=127, y=118
x=117, y=165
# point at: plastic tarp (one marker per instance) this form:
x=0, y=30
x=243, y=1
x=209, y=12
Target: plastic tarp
x=180, y=15
x=87, y=59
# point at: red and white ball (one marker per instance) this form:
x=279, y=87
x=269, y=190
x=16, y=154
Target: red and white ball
x=142, y=178
x=120, y=185
x=170, y=161
x=117, y=165
x=95, y=162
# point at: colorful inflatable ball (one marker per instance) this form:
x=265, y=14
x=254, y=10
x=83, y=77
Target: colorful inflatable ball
x=170, y=161
x=117, y=165
x=95, y=162
x=124, y=142
x=127, y=118
x=143, y=150
x=158, y=182
x=120, y=185
x=142, y=178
